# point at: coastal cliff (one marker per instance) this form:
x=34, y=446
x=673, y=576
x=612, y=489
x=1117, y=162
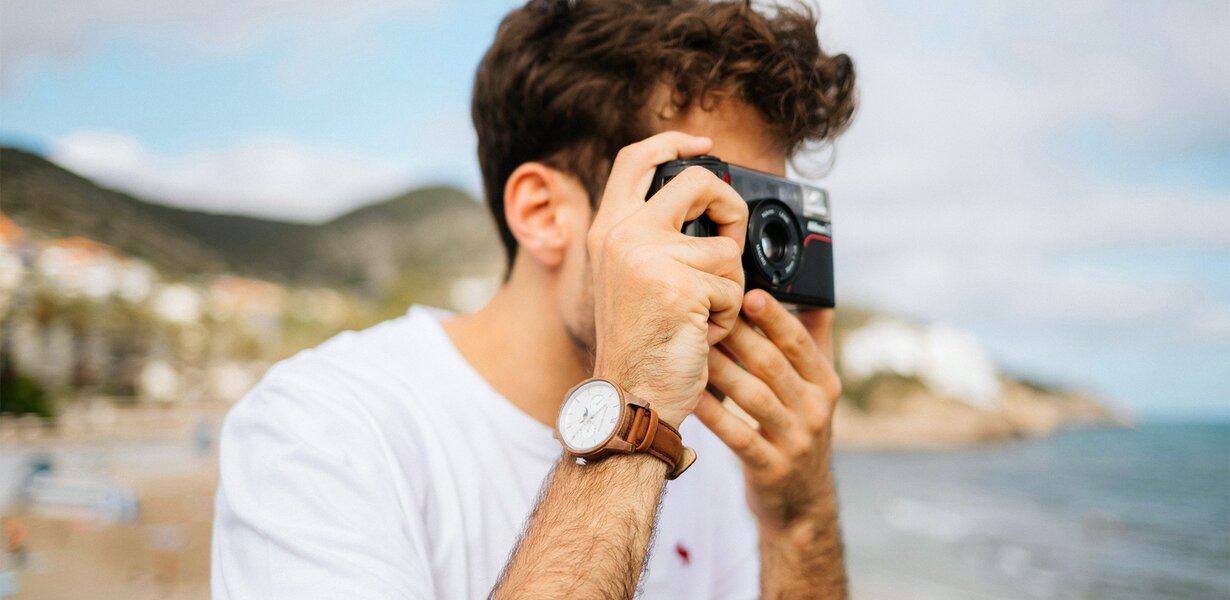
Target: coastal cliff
x=911, y=385
x=920, y=418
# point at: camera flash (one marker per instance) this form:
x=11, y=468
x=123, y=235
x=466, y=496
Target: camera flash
x=815, y=203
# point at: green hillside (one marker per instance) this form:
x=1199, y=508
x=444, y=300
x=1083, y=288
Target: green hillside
x=425, y=232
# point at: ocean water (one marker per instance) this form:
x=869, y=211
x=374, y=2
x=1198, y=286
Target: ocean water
x=1098, y=514
x=1114, y=514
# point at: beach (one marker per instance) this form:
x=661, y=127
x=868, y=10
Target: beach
x=1091, y=514
x=163, y=458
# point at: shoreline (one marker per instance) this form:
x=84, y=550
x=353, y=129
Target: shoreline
x=905, y=419
x=165, y=551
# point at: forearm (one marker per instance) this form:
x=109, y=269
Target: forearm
x=589, y=534
x=805, y=558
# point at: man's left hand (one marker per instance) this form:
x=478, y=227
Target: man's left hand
x=790, y=388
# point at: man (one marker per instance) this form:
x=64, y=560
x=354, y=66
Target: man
x=416, y=459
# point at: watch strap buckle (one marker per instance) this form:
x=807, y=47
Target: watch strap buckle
x=647, y=432
x=685, y=460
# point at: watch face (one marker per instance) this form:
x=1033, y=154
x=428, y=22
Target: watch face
x=589, y=416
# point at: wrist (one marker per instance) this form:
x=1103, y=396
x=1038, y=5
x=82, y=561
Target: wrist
x=619, y=467
x=799, y=511
x=600, y=419
x=659, y=400
x=799, y=529
x=803, y=558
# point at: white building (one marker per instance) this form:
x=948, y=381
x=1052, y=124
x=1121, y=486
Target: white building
x=80, y=267
x=950, y=362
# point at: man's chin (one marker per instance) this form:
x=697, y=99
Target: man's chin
x=583, y=342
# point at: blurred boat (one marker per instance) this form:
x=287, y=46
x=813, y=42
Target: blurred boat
x=80, y=497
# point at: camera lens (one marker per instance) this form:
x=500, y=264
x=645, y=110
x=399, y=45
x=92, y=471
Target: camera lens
x=773, y=241
x=775, y=245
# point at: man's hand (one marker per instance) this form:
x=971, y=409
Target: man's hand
x=661, y=298
x=790, y=388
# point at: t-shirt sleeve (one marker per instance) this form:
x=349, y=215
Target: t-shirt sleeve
x=305, y=507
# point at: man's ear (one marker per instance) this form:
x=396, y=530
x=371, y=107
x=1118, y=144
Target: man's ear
x=545, y=209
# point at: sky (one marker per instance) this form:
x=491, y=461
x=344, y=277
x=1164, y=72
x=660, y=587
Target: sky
x=1053, y=176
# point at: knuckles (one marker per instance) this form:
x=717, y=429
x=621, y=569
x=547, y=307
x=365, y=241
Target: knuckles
x=774, y=367
x=734, y=294
x=697, y=178
x=816, y=421
x=818, y=407
x=761, y=398
x=742, y=440
x=729, y=250
x=816, y=412
x=632, y=153
x=699, y=181
x=800, y=343
x=798, y=445
x=617, y=244
x=831, y=384
x=672, y=296
x=832, y=388
x=620, y=236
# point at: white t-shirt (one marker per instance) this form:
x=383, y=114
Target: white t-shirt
x=381, y=465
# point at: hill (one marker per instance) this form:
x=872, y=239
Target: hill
x=430, y=231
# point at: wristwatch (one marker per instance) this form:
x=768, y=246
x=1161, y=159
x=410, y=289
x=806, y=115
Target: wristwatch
x=599, y=419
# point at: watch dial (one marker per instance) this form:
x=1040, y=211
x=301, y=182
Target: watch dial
x=589, y=416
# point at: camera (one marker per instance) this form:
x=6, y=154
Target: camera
x=789, y=249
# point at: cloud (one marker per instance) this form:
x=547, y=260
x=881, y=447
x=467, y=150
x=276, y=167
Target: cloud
x=998, y=146
x=60, y=30
x=257, y=175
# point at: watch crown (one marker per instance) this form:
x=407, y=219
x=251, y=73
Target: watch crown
x=581, y=461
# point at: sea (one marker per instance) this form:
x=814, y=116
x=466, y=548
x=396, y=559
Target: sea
x=1109, y=513
x=1093, y=514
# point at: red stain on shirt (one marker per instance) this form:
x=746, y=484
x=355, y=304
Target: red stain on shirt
x=683, y=553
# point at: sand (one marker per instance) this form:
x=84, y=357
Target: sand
x=163, y=553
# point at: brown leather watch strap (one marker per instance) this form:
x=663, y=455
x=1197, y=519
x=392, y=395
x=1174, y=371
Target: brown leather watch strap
x=655, y=437
x=639, y=430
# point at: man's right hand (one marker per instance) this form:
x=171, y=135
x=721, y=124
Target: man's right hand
x=661, y=298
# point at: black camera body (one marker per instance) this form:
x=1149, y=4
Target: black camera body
x=789, y=249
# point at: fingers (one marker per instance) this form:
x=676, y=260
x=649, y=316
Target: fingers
x=719, y=255
x=749, y=392
x=695, y=192
x=784, y=332
x=765, y=361
x=809, y=388
x=632, y=172
x=819, y=322
x=751, y=447
x=725, y=299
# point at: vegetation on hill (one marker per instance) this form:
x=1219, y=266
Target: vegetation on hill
x=435, y=230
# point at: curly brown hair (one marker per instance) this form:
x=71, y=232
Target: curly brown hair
x=570, y=82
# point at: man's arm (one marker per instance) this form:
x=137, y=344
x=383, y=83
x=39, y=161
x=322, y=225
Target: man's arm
x=660, y=299
x=787, y=383
x=805, y=560
x=589, y=535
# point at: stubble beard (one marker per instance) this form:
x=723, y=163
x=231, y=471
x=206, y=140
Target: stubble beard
x=579, y=324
